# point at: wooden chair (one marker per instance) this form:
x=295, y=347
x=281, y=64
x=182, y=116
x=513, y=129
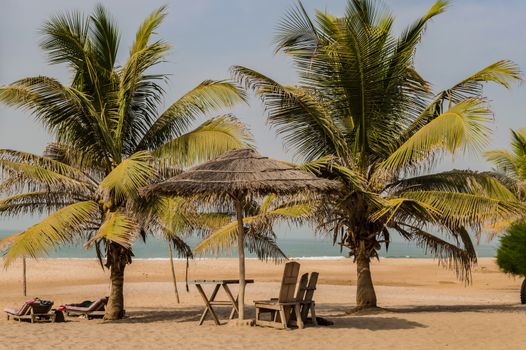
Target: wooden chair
x=308, y=304
x=281, y=308
x=304, y=296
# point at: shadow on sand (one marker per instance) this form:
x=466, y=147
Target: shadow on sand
x=366, y=319
x=459, y=308
x=375, y=323
x=188, y=314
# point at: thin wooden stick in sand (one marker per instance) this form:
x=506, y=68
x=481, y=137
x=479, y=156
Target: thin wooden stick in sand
x=24, y=280
x=173, y=272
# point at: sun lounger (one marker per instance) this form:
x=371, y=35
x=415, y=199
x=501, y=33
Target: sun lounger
x=33, y=310
x=87, y=309
x=280, y=308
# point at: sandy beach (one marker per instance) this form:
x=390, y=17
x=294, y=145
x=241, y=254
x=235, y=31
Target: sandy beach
x=425, y=307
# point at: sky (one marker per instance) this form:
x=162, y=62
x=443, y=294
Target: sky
x=209, y=36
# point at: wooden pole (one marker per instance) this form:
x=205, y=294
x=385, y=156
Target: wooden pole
x=24, y=279
x=241, y=253
x=173, y=272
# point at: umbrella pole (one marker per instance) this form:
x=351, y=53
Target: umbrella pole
x=241, y=254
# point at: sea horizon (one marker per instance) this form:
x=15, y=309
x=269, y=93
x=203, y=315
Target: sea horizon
x=308, y=246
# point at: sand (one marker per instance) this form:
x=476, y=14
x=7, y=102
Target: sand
x=424, y=307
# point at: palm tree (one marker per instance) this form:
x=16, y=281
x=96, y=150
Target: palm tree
x=111, y=138
x=362, y=113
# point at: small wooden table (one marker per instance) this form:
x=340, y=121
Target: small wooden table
x=209, y=302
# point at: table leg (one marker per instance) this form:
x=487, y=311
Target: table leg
x=235, y=308
x=208, y=307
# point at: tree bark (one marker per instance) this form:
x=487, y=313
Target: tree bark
x=241, y=255
x=117, y=261
x=365, y=294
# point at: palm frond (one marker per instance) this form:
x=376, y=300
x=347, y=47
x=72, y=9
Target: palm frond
x=125, y=180
x=461, y=259
x=63, y=226
x=37, y=202
x=118, y=228
x=463, y=126
x=464, y=181
x=176, y=120
x=24, y=171
x=301, y=118
x=264, y=247
x=502, y=72
x=209, y=140
x=405, y=209
x=105, y=38
x=65, y=39
x=221, y=239
x=467, y=209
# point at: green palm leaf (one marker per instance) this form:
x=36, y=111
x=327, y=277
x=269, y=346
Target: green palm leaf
x=63, y=226
x=125, y=180
x=209, y=140
x=463, y=126
x=117, y=228
x=176, y=120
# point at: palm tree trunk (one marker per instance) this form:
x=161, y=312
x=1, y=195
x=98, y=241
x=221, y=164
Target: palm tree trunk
x=241, y=254
x=365, y=294
x=115, y=307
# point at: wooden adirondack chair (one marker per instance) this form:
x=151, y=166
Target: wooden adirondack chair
x=308, y=304
x=304, y=296
x=280, y=308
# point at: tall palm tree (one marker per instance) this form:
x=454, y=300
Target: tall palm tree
x=363, y=114
x=111, y=138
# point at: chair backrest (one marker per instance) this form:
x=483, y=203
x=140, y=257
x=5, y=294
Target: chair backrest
x=288, y=283
x=25, y=309
x=311, y=287
x=39, y=307
x=302, y=287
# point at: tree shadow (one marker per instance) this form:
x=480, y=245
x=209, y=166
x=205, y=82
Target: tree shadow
x=339, y=310
x=459, y=308
x=188, y=314
x=376, y=323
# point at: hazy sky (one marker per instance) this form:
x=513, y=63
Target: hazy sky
x=211, y=35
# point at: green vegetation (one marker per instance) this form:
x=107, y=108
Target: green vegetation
x=111, y=139
x=511, y=254
x=363, y=114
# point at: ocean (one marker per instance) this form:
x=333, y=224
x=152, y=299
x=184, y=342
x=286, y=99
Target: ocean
x=294, y=242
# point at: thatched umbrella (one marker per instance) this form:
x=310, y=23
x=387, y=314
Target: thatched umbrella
x=235, y=175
